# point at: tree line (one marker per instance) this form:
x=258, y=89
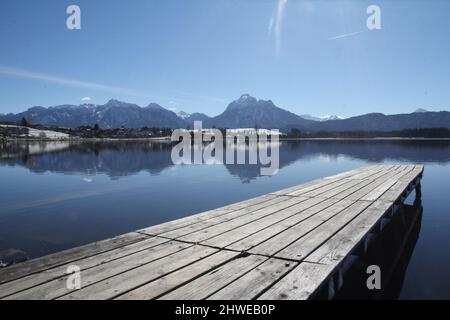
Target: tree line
x=406, y=133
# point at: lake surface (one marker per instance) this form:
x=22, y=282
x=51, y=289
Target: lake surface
x=58, y=195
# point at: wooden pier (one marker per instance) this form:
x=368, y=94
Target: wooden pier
x=291, y=244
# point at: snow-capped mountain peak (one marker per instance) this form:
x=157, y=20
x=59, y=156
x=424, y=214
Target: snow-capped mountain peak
x=420, y=110
x=183, y=115
x=332, y=117
x=321, y=119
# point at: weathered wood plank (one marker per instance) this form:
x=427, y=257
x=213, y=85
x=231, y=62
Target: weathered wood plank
x=242, y=231
x=364, y=186
x=298, y=284
x=33, y=280
x=297, y=233
x=186, y=221
x=417, y=171
x=262, y=235
x=173, y=234
x=254, y=282
x=329, y=184
x=178, y=278
x=347, y=192
x=329, y=179
x=264, y=227
x=36, y=265
x=335, y=249
x=211, y=282
x=209, y=232
x=56, y=288
x=386, y=184
x=397, y=174
x=302, y=247
x=324, y=189
x=374, y=174
x=399, y=187
x=127, y=281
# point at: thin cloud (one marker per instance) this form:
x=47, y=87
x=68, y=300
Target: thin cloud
x=345, y=35
x=43, y=77
x=27, y=74
x=276, y=25
x=270, y=27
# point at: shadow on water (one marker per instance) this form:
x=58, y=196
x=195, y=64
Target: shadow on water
x=391, y=251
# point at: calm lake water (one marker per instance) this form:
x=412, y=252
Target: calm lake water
x=55, y=196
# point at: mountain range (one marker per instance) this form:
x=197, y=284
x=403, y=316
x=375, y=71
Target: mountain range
x=245, y=112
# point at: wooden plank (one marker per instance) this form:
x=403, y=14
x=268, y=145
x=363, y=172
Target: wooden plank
x=323, y=189
x=320, y=184
x=298, y=284
x=254, y=239
x=417, y=171
x=178, y=278
x=209, y=232
x=345, y=190
x=254, y=282
x=186, y=221
x=375, y=184
x=399, y=187
x=385, y=186
x=330, y=179
x=284, y=239
x=387, y=170
x=126, y=281
x=179, y=232
x=353, y=173
x=33, y=280
x=213, y=281
x=326, y=184
x=301, y=248
x=363, y=187
x=335, y=249
x=56, y=288
x=373, y=174
x=298, y=212
x=309, y=184
x=354, y=185
x=36, y=265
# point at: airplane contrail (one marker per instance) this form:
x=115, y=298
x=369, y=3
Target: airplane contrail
x=345, y=35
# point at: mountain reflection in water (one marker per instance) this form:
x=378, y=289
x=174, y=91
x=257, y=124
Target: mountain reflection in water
x=123, y=158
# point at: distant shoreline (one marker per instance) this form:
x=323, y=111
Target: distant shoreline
x=167, y=139
x=77, y=139
x=362, y=139
x=87, y=133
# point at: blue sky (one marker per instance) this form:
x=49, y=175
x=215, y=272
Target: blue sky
x=198, y=55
